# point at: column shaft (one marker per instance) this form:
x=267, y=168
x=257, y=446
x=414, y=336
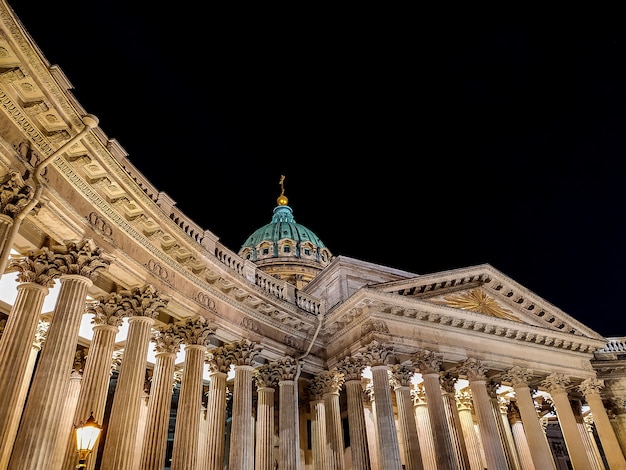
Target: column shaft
x=289, y=446
x=385, y=420
x=535, y=435
x=16, y=349
x=318, y=431
x=241, y=431
x=573, y=440
x=187, y=431
x=216, y=415
x=610, y=444
x=124, y=419
x=356, y=424
x=444, y=449
x=521, y=444
x=38, y=432
x=425, y=436
x=159, y=404
x=408, y=429
x=469, y=434
x=335, y=458
x=66, y=426
x=265, y=429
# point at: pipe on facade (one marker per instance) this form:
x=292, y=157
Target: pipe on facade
x=90, y=121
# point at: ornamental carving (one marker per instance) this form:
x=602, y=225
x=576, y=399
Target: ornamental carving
x=100, y=224
x=401, y=375
x=517, y=376
x=427, y=362
x=107, y=311
x=195, y=332
x=265, y=376
x=376, y=326
x=477, y=301
x=218, y=360
x=330, y=381
x=473, y=369
x=167, y=339
x=286, y=368
x=351, y=367
x=448, y=382
x=142, y=301
x=83, y=258
x=377, y=354
x=556, y=382
x=242, y=353
x=14, y=194
x=591, y=387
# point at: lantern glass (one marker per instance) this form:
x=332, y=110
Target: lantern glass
x=87, y=434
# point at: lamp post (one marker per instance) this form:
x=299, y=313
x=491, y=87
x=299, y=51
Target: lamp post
x=87, y=434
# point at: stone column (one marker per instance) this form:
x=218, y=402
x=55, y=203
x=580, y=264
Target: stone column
x=401, y=376
x=142, y=304
x=36, y=273
x=38, y=431
x=616, y=411
x=501, y=410
x=424, y=429
x=519, y=437
x=429, y=364
x=378, y=356
x=495, y=455
x=331, y=386
x=352, y=369
x=241, y=436
x=318, y=425
x=107, y=314
x=540, y=451
x=369, y=409
x=556, y=384
x=448, y=386
x=289, y=442
x=195, y=334
x=167, y=342
x=219, y=365
x=612, y=450
x=472, y=444
x=15, y=195
x=266, y=383
x=66, y=426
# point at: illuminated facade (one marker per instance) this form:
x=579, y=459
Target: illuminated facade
x=277, y=355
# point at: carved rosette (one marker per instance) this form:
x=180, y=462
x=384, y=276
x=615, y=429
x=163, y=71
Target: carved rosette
x=351, y=368
x=243, y=352
x=556, y=382
x=265, y=376
x=167, y=339
x=517, y=376
x=142, y=301
x=219, y=360
x=331, y=381
x=195, y=332
x=377, y=354
x=473, y=369
x=401, y=375
x=109, y=310
x=427, y=362
x=590, y=387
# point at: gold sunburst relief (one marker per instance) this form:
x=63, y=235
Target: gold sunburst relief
x=477, y=301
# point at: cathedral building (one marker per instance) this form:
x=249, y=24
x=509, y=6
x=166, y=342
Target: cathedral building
x=278, y=353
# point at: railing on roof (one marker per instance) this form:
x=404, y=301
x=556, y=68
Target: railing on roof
x=617, y=345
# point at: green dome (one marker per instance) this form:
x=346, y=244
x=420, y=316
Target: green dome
x=283, y=226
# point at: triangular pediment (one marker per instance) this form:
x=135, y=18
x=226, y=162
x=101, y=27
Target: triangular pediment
x=484, y=290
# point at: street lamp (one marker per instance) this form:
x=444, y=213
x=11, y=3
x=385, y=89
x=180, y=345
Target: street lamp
x=86, y=436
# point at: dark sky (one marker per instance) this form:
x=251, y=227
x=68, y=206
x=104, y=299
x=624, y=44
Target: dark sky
x=422, y=143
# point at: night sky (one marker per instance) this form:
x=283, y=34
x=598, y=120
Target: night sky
x=424, y=144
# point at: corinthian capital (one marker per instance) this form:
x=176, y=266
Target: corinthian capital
x=377, y=354
x=14, y=194
x=38, y=267
x=591, y=387
x=401, y=375
x=167, y=339
x=351, y=367
x=83, y=258
x=243, y=352
x=109, y=310
x=142, y=301
x=195, y=332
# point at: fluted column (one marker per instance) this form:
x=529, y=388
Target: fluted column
x=519, y=437
x=331, y=386
x=616, y=411
x=66, y=425
x=448, y=386
x=142, y=306
x=167, y=342
x=369, y=409
x=36, y=275
x=352, y=369
x=472, y=444
x=401, y=376
x=612, y=450
x=501, y=410
x=288, y=437
x=266, y=383
x=556, y=384
x=424, y=429
x=219, y=361
x=107, y=318
x=535, y=435
x=495, y=455
x=242, y=354
x=429, y=364
x=377, y=356
x=318, y=424
x=38, y=432
x=195, y=334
